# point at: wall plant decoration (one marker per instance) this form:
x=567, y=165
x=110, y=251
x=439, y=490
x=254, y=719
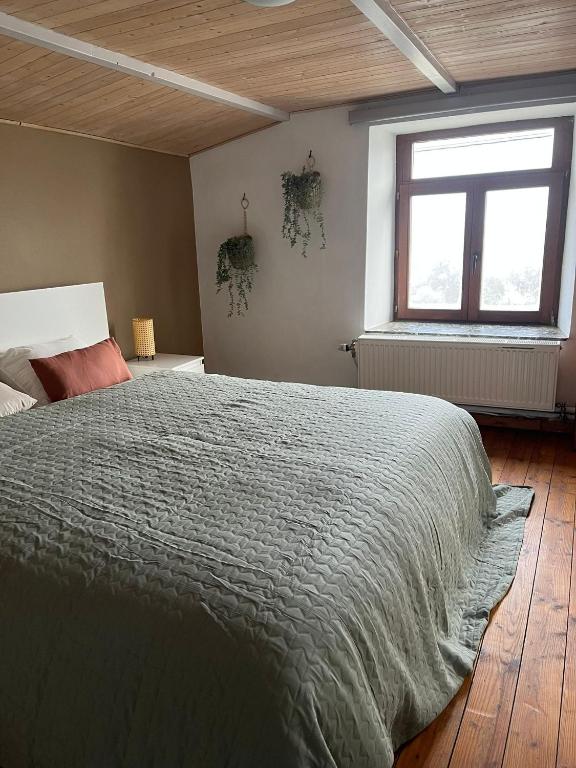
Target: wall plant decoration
x=236, y=266
x=302, y=198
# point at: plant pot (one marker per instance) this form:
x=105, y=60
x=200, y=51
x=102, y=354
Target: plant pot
x=240, y=252
x=308, y=190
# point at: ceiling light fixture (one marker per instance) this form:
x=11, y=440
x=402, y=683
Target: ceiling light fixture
x=269, y=3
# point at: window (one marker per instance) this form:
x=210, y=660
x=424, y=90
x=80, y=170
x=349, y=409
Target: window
x=480, y=222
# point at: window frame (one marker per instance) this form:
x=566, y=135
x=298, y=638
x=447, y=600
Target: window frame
x=556, y=178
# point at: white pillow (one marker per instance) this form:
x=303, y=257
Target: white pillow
x=16, y=371
x=12, y=402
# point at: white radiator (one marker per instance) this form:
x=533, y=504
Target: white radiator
x=502, y=373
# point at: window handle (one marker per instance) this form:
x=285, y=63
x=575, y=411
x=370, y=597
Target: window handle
x=475, y=257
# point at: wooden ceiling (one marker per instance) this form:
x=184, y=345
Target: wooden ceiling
x=484, y=39
x=310, y=54
x=38, y=87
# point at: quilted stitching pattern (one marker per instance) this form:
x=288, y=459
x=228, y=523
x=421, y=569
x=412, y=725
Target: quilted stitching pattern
x=205, y=571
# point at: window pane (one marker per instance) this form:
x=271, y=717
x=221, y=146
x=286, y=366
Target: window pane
x=514, y=234
x=491, y=153
x=436, y=251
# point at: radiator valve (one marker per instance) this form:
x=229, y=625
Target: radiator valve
x=351, y=347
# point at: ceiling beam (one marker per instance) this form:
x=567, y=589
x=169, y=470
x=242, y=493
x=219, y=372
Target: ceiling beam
x=79, y=49
x=471, y=98
x=393, y=26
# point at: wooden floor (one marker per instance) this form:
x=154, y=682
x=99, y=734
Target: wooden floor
x=518, y=708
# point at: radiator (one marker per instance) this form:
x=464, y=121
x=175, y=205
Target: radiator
x=502, y=373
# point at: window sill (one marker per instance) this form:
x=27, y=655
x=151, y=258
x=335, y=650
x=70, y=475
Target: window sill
x=480, y=330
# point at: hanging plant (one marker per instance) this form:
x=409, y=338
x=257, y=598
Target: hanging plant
x=302, y=198
x=236, y=267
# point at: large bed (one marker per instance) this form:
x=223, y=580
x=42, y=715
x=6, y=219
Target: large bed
x=210, y=572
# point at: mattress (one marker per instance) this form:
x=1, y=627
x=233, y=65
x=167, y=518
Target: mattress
x=205, y=571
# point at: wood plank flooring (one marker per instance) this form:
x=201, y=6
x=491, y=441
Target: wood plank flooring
x=518, y=708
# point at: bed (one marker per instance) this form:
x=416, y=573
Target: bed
x=205, y=571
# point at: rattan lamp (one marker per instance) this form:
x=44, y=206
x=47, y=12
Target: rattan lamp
x=143, y=332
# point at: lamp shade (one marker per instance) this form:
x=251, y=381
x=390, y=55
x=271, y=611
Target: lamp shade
x=143, y=332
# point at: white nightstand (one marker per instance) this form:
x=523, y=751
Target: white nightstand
x=162, y=362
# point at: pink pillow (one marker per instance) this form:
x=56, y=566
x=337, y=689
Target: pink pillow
x=83, y=370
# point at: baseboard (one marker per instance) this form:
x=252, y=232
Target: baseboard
x=527, y=422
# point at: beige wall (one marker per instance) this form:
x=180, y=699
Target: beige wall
x=75, y=210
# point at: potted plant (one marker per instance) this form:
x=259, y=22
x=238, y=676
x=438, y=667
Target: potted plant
x=302, y=197
x=236, y=268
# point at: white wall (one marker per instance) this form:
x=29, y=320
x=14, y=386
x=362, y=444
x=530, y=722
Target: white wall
x=300, y=308
x=566, y=391
x=380, y=225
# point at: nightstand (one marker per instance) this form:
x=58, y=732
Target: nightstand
x=188, y=363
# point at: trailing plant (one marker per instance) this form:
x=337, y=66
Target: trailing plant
x=302, y=197
x=236, y=267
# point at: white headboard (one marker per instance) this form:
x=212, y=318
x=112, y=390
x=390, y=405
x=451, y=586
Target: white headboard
x=31, y=317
